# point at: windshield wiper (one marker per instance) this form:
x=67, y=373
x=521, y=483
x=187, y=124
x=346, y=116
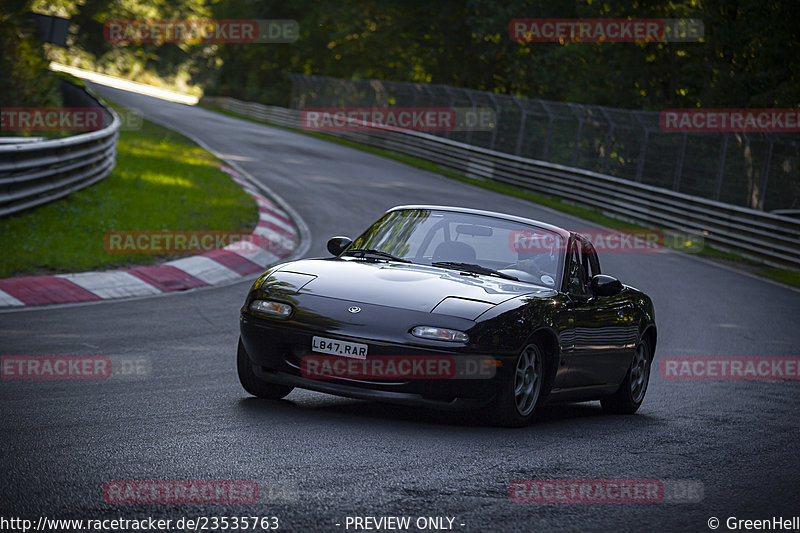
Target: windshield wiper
x=375, y=254
x=473, y=268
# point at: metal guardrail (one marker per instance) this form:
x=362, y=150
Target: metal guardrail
x=35, y=172
x=21, y=140
x=753, y=169
x=765, y=237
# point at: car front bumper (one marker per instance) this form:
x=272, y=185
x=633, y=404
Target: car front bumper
x=276, y=351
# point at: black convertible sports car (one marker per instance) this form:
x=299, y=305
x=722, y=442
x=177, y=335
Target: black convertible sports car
x=451, y=307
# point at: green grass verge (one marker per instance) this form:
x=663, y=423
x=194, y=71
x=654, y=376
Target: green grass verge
x=162, y=181
x=789, y=277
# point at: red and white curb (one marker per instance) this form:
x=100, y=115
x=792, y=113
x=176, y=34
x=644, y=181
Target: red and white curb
x=274, y=238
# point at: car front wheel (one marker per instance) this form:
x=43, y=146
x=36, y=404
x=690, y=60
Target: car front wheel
x=252, y=383
x=520, y=394
x=631, y=393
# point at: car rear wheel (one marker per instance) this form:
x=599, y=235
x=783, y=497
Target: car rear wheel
x=631, y=393
x=252, y=383
x=520, y=394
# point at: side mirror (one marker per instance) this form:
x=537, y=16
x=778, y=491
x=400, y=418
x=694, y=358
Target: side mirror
x=336, y=245
x=603, y=285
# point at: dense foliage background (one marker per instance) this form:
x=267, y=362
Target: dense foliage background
x=745, y=58
x=24, y=78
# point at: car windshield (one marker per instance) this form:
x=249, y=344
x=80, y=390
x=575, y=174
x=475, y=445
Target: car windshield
x=468, y=242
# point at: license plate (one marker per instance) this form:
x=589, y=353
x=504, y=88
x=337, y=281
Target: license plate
x=343, y=348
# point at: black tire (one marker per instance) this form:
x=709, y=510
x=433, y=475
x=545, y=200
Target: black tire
x=513, y=407
x=631, y=393
x=252, y=383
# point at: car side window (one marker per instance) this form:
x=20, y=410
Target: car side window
x=578, y=282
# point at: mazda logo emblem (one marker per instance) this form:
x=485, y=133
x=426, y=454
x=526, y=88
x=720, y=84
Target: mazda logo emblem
x=354, y=309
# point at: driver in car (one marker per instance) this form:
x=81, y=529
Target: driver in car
x=539, y=265
x=537, y=260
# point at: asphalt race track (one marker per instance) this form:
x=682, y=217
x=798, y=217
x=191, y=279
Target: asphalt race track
x=189, y=419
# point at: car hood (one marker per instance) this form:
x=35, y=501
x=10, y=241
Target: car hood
x=403, y=285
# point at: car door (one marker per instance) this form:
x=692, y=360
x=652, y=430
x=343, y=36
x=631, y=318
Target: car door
x=601, y=325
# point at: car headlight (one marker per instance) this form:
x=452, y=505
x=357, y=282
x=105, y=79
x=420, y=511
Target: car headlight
x=439, y=334
x=270, y=308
